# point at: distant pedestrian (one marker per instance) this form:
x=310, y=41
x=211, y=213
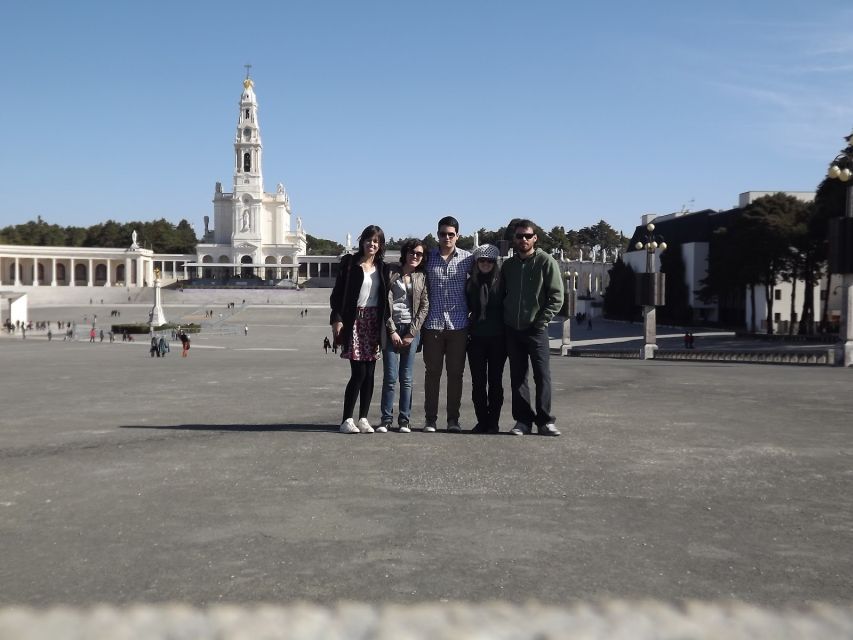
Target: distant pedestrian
x=162, y=346
x=245, y=330
x=185, y=344
x=49, y=335
x=326, y=344
x=102, y=335
x=92, y=335
x=153, y=350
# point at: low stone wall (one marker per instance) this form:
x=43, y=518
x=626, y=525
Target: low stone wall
x=814, y=357
x=810, y=357
x=606, y=620
x=785, y=338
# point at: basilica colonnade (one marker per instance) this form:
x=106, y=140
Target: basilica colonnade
x=31, y=266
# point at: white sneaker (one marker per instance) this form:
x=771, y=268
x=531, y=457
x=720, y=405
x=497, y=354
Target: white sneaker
x=405, y=428
x=549, y=429
x=519, y=429
x=381, y=429
x=364, y=426
x=429, y=427
x=348, y=426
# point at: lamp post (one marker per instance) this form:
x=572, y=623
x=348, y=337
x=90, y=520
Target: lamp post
x=569, y=306
x=650, y=290
x=841, y=253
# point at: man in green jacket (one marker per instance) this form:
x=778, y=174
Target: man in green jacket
x=533, y=295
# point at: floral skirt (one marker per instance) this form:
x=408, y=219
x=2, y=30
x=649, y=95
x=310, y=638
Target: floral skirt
x=364, y=345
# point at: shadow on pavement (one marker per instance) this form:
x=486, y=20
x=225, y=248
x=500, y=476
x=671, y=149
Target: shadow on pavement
x=236, y=427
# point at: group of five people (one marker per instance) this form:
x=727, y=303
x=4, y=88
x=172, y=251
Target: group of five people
x=449, y=303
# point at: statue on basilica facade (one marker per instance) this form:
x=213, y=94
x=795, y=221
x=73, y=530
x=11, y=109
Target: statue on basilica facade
x=245, y=226
x=133, y=244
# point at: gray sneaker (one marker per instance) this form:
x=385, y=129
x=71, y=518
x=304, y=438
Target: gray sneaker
x=549, y=429
x=453, y=427
x=519, y=429
x=429, y=427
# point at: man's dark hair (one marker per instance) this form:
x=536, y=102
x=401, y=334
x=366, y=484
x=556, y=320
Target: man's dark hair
x=410, y=245
x=523, y=223
x=449, y=221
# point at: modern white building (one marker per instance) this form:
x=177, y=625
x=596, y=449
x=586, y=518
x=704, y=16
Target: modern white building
x=690, y=233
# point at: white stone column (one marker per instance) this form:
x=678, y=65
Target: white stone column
x=1, y=271
x=71, y=281
x=140, y=271
x=53, y=272
x=186, y=277
x=35, y=272
x=127, y=272
x=17, y=282
x=109, y=266
x=91, y=282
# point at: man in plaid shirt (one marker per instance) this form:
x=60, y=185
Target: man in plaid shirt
x=445, y=333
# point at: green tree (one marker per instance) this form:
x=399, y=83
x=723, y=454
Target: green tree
x=677, y=309
x=322, y=247
x=619, y=295
x=430, y=242
x=602, y=235
x=829, y=202
x=768, y=226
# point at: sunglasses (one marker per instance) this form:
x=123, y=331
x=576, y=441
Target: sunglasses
x=482, y=260
x=447, y=234
x=524, y=236
x=417, y=254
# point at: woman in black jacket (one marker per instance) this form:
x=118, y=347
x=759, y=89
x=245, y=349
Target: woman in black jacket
x=359, y=304
x=486, y=342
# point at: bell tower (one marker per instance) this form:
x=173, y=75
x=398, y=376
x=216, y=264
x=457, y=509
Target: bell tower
x=248, y=175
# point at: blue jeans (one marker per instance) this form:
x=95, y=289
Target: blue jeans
x=398, y=365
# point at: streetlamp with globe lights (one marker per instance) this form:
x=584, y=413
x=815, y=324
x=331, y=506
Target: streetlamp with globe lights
x=650, y=290
x=841, y=252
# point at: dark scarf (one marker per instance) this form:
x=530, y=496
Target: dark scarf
x=485, y=286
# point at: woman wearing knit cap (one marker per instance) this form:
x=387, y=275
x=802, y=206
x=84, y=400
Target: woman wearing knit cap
x=486, y=342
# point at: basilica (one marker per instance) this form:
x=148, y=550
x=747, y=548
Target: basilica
x=254, y=240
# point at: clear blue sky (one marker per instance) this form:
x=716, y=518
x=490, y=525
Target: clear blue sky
x=399, y=112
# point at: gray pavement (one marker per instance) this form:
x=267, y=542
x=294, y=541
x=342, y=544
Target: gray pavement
x=222, y=478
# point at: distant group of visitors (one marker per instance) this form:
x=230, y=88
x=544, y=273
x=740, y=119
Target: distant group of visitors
x=159, y=346
x=447, y=303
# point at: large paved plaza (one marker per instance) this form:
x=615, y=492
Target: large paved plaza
x=221, y=477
